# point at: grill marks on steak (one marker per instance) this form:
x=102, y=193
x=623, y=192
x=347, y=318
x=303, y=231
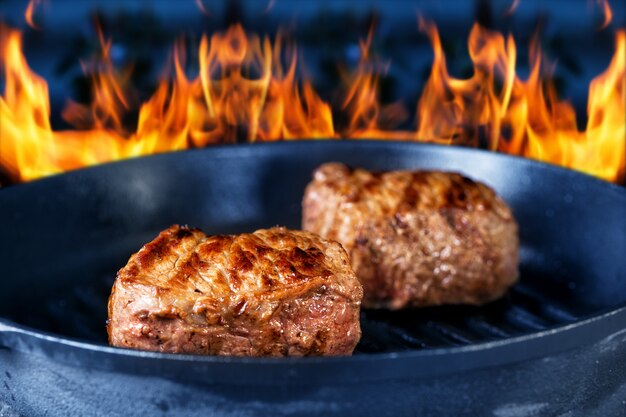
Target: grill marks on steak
x=416, y=238
x=272, y=292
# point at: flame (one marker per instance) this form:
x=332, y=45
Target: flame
x=247, y=89
x=541, y=126
x=460, y=111
x=182, y=113
x=496, y=109
x=367, y=117
x=109, y=99
x=544, y=128
x=30, y=12
x=607, y=13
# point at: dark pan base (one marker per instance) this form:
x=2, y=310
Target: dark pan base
x=584, y=382
x=555, y=345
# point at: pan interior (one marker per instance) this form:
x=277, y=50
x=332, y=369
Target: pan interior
x=62, y=239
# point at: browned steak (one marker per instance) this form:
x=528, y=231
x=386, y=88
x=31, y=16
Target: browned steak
x=274, y=292
x=416, y=238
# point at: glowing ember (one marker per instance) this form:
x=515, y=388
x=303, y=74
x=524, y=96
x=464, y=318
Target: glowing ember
x=225, y=104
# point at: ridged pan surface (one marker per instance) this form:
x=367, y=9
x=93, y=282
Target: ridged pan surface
x=63, y=238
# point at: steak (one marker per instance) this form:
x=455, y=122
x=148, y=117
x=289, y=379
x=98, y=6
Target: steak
x=274, y=292
x=416, y=238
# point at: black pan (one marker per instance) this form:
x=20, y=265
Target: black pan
x=554, y=346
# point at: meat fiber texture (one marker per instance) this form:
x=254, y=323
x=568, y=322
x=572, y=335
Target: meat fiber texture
x=274, y=292
x=416, y=238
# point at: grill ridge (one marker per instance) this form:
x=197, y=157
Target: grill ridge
x=81, y=313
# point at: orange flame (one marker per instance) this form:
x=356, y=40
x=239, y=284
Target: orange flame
x=456, y=111
x=607, y=12
x=30, y=12
x=109, y=101
x=496, y=109
x=180, y=114
x=368, y=118
x=246, y=90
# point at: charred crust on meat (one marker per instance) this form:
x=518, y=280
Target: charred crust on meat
x=215, y=244
x=262, y=250
x=241, y=262
x=158, y=249
x=248, y=294
x=449, y=216
x=399, y=221
x=182, y=233
x=267, y=281
x=402, y=221
x=240, y=307
x=371, y=184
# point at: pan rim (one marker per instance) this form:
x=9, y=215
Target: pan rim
x=592, y=330
x=254, y=147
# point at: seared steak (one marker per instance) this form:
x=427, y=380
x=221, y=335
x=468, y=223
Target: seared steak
x=273, y=292
x=416, y=238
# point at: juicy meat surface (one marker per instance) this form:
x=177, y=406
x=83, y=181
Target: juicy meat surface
x=274, y=292
x=416, y=238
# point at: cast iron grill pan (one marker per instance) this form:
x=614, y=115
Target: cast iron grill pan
x=559, y=333
x=80, y=313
